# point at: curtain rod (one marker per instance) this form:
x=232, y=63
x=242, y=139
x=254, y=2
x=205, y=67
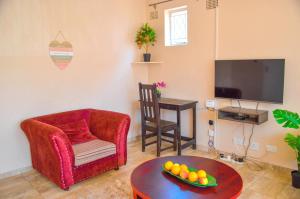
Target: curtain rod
x=155, y=4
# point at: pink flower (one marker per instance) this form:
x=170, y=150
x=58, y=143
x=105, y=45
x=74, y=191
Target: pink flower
x=161, y=84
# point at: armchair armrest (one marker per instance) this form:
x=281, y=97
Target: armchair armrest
x=51, y=151
x=112, y=127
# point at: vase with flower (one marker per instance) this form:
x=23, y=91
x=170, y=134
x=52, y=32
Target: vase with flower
x=158, y=88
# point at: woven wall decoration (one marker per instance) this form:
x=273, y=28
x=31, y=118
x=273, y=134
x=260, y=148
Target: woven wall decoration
x=61, y=52
x=211, y=4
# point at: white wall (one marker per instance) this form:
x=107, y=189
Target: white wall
x=100, y=75
x=247, y=29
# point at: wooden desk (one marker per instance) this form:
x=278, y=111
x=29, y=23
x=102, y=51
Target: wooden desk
x=179, y=105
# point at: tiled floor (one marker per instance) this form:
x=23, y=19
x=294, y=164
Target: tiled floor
x=271, y=182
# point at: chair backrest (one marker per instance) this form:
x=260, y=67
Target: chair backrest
x=149, y=103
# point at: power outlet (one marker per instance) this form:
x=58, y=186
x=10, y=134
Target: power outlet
x=211, y=133
x=271, y=148
x=254, y=146
x=239, y=141
x=211, y=103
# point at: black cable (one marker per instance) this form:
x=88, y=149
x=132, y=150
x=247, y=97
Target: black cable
x=239, y=104
x=257, y=107
x=252, y=132
x=249, y=142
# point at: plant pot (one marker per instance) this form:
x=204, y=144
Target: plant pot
x=158, y=95
x=296, y=179
x=147, y=57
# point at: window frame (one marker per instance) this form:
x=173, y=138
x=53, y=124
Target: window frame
x=169, y=13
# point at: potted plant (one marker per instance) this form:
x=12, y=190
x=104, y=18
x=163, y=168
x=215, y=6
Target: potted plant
x=145, y=37
x=158, y=87
x=291, y=120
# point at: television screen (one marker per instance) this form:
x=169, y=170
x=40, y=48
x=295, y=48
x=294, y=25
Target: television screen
x=256, y=80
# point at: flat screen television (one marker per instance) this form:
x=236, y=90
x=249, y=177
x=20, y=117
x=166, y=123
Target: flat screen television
x=255, y=80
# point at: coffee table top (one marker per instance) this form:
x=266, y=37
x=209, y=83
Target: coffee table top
x=149, y=181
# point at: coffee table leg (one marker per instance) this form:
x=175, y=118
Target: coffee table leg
x=179, y=131
x=194, y=126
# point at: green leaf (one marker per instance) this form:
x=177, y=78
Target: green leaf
x=145, y=36
x=292, y=141
x=286, y=118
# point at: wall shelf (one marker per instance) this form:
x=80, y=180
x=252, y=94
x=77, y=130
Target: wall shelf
x=152, y=62
x=243, y=115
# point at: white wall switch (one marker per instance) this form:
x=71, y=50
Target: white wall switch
x=254, y=146
x=211, y=103
x=211, y=133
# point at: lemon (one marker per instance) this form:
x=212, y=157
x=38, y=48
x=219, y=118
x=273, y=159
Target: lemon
x=168, y=165
x=201, y=174
x=184, y=167
x=176, y=164
x=175, y=169
x=193, y=176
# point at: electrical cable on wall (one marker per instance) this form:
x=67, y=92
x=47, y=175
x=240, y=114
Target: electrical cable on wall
x=212, y=130
x=252, y=164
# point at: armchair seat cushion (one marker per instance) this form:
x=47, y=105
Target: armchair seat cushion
x=92, y=150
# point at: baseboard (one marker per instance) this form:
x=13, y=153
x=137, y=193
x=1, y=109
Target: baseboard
x=15, y=172
x=202, y=148
x=133, y=139
x=261, y=162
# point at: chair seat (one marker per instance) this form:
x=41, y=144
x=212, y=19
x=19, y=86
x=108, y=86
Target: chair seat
x=92, y=150
x=163, y=124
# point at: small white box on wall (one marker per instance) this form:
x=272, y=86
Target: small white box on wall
x=211, y=103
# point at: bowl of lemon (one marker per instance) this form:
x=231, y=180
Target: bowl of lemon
x=189, y=175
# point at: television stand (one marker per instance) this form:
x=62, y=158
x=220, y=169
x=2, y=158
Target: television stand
x=237, y=114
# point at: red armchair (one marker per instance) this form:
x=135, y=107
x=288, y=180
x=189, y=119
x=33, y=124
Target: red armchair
x=52, y=153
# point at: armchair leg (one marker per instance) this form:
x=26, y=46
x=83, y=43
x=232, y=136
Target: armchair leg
x=67, y=189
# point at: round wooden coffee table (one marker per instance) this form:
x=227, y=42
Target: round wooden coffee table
x=148, y=180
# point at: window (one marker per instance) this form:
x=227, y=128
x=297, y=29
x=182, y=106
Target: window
x=176, y=26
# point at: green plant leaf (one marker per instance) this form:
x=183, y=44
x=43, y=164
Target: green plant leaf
x=293, y=141
x=145, y=36
x=287, y=118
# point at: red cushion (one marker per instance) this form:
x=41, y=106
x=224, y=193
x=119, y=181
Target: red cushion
x=77, y=132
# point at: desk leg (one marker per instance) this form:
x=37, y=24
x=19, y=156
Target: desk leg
x=194, y=126
x=179, y=131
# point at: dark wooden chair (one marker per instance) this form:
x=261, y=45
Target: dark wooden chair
x=151, y=122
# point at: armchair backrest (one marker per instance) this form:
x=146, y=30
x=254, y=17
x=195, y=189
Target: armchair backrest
x=65, y=117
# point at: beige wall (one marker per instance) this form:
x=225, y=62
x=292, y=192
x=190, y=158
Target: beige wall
x=100, y=75
x=247, y=29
